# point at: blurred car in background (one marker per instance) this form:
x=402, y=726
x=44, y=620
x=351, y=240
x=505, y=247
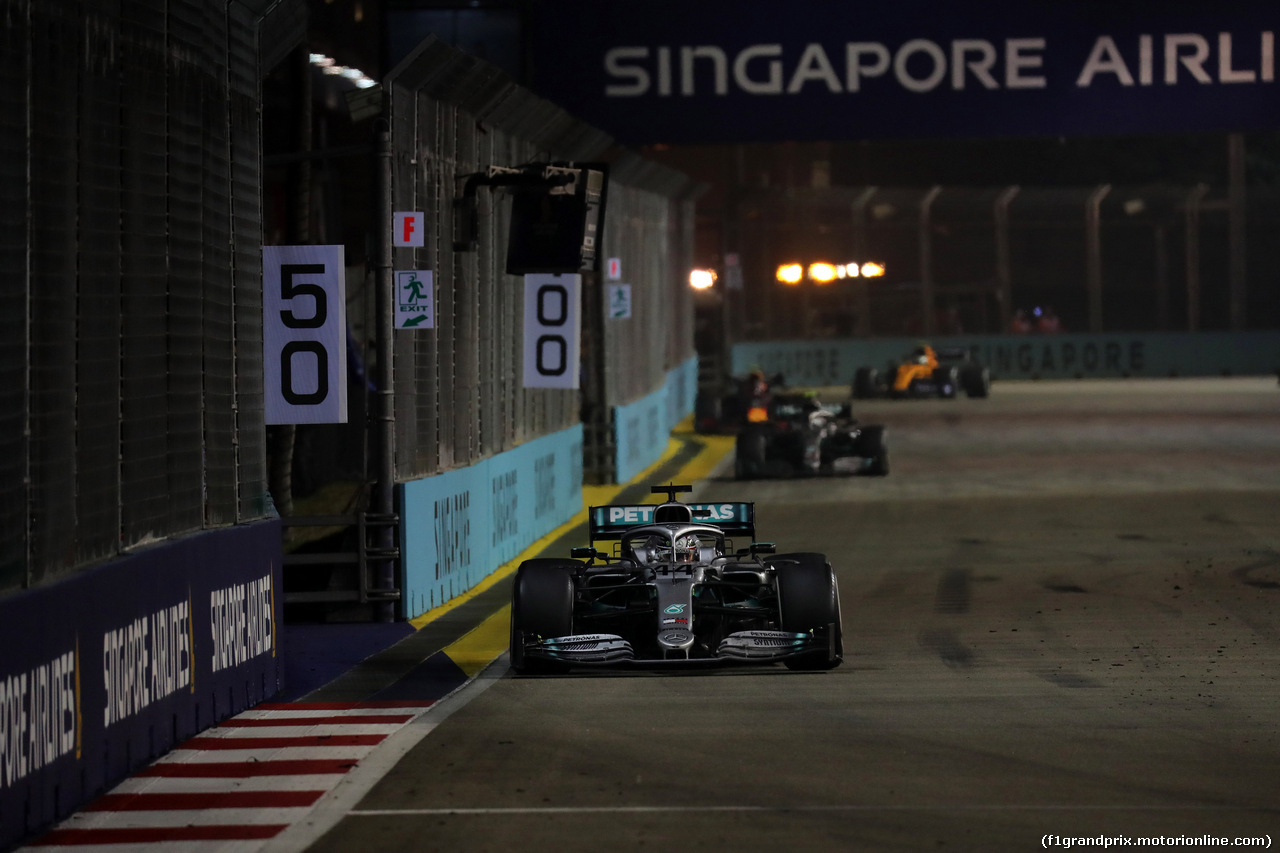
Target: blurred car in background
x=726, y=409
x=796, y=435
x=925, y=372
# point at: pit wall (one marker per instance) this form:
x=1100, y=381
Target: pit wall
x=112, y=667
x=641, y=428
x=830, y=363
x=461, y=525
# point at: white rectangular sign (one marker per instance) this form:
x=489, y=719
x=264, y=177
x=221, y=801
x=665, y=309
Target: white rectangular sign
x=613, y=269
x=552, y=326
x=409, y=228
x=304, y=334
x=619, y=306
x=732, y=271
x=415, y=299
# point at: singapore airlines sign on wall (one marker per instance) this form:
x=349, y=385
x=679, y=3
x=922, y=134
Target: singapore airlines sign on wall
x=118, y=663
x=759, y=70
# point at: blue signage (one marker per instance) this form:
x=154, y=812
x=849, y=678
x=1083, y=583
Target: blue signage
x=111, y=667
x=672, y=71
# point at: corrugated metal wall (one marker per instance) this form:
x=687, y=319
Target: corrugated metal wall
x=130, y=280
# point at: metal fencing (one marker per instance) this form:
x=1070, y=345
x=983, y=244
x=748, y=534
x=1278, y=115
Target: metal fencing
x=1107, y=259
x=130, y=278
x=131, y=403
x=459, y=394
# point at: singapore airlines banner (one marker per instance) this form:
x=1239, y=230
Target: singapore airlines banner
x=706, y=71
x=113, y=666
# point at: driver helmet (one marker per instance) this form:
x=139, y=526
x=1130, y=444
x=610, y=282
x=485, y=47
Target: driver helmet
x=686, y=549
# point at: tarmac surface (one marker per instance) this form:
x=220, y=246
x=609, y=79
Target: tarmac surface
x=1061, y=618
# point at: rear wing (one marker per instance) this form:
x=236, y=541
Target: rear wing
x=611, y=522
x=952, y=353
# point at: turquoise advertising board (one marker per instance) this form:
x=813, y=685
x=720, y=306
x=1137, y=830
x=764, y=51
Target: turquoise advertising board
x=828, y=363
x=462, y=525
x=643, y=427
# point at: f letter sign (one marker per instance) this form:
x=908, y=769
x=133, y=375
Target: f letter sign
x=410, y=229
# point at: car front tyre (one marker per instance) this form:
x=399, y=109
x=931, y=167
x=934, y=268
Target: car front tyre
x=809, y=602
x=872, y=447
x=542, y=605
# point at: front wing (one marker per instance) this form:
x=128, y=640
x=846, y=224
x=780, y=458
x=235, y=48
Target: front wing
x=743, y=647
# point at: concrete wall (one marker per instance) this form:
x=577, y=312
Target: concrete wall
x=826, y=363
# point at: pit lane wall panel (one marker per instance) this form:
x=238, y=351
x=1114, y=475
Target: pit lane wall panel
x=460, y=526
x=828, y=363
x=642, y=427
x=112, y=667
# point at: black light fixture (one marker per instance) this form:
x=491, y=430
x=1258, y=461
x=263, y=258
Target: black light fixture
x=556, y=211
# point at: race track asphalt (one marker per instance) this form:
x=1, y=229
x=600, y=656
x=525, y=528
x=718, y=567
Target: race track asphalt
x=1062, y=617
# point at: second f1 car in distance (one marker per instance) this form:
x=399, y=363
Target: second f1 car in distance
x=794, y=434
x=727, y=407
x=673, y=590
x=926, y=372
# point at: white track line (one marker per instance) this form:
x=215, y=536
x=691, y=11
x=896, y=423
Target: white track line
x=204, y=785
x=957, y=807
x=184, y=817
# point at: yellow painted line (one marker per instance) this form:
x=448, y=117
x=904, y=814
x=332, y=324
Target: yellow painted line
x=591, y=496
x=715, y=448
x=476, y=649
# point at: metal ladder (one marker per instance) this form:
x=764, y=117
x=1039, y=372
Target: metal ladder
x=362, y=557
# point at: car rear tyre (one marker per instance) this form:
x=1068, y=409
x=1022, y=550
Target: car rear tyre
x=809, y=602
x=977, y=381
x=748, y=460
x=541, y=604
x=864, y=383
x=872, y=447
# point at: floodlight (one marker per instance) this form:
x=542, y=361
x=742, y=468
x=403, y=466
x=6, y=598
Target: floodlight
x=790, y=273
x=822, y=272
x=701, y=279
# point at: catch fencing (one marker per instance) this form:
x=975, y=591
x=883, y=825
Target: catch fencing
x=459, y=395
x=130, y=278
x=131, y=401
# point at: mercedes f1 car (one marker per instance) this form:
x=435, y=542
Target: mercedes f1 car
x=671, y=589
x=796, y=434
x=926, y=372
